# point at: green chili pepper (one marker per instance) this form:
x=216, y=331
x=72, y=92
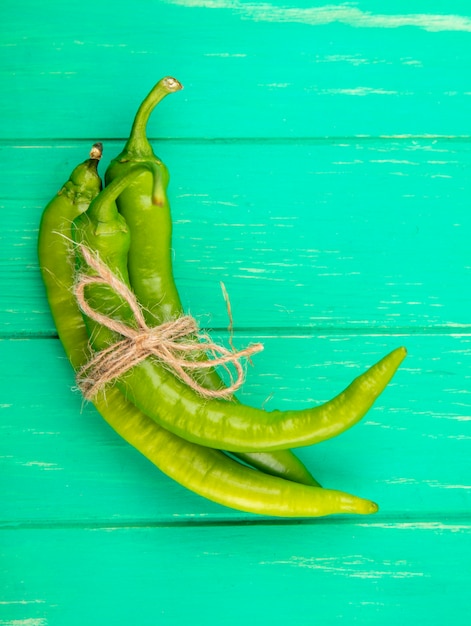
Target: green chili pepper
x=150, y=260
x=72, y=200
x=207, y=472
x=209, y=422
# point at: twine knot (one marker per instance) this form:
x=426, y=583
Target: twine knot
x=177, y=344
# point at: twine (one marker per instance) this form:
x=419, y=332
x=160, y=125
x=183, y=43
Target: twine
x=174, y=343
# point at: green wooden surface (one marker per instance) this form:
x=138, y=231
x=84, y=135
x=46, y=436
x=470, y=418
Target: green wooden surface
x=320, y=159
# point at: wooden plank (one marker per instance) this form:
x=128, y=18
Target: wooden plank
x=250, y=70
x=352, y=234
x=61, y=462
x=327, y=572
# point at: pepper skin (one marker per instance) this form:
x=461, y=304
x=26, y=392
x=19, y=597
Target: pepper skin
x=209, y=473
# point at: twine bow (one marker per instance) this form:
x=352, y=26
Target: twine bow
x=177, y=344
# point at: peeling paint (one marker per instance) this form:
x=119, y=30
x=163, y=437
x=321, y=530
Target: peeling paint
x=32, y=621
x=434, y=526
x=352, y=566
x=334, y=13
x=22, y=602
x=41, y=465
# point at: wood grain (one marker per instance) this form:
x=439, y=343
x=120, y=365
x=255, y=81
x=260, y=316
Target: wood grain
x=409, y=454
x=301, y=233
x=249, y=70
x=274, y=572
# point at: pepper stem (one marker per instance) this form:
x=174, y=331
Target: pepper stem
x=137, y=142
x=97, y=151
x=103, y=208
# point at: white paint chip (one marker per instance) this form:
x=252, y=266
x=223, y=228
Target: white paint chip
x=333, y=13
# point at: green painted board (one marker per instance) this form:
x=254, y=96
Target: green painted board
x=320, y=163
x=290, y=227
x=410, y=453
x=277, y=69
x=314, y=573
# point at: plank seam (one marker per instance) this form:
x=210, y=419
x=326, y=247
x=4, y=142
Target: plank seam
x=38, y=141
x=450, y=519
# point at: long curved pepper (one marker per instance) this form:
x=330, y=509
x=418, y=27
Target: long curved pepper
x=207, y=472
x=150, y=259
x=215, y=423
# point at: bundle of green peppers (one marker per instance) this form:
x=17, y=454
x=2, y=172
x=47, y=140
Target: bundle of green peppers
x=233, y=454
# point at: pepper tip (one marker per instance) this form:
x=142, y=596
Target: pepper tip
x=373, y=508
